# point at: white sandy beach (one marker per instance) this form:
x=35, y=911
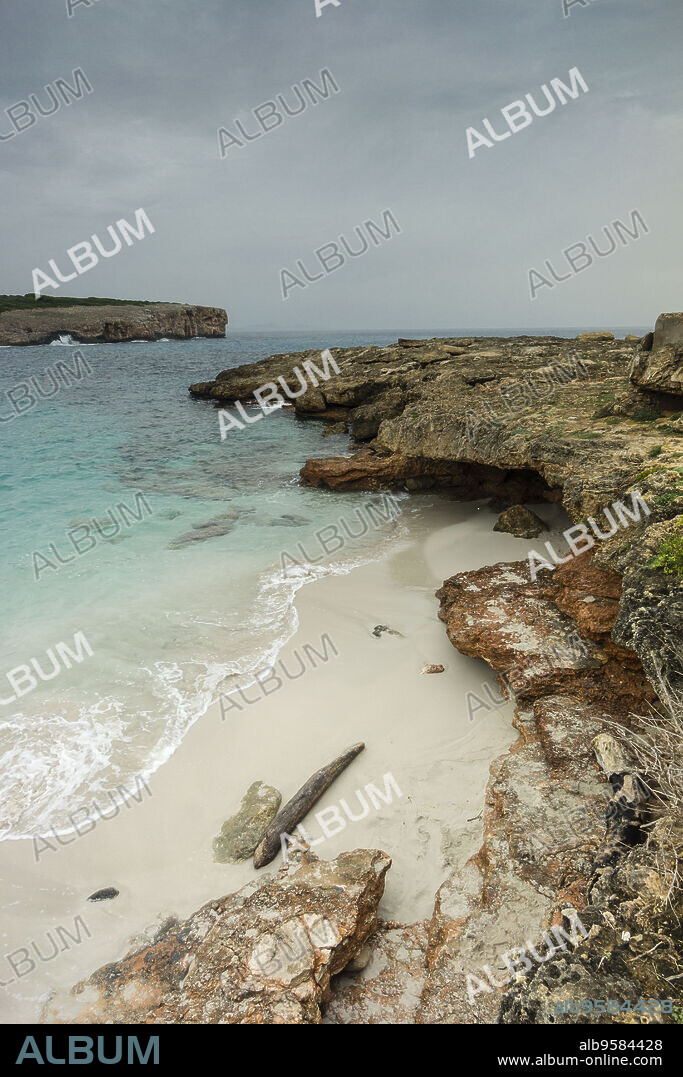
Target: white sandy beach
x=158, y=852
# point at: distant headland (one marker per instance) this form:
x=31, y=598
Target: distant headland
x=27, y=320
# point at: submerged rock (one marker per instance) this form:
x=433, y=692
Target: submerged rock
x=520, y=522
x=241, y=833
x=288, y=519
x=216, y=527
x=265, y=955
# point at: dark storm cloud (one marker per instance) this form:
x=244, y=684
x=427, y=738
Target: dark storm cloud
x=412, y=77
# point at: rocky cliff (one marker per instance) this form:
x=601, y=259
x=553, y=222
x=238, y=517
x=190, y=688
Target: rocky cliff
x=526, y=418
x=545, y=847
x=111, y=324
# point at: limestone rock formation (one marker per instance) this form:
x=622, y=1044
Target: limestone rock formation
x=634, y=943
x=520, y=629
x=334, y=429
x=241, y=833
x=599, y=335
x=524, y=419
x=546, y=800
x=387, y=990
x=659, y=370
x=668, y=331
x=111, y=324
x=262, y=956
x=520, y=522
x=658, y=365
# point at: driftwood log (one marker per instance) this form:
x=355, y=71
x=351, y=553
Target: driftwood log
x=625, y=811
x=301, y=803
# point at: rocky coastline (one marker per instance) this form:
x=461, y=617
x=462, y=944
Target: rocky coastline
x=102, y=324
x=570, y=421
x=591, y=653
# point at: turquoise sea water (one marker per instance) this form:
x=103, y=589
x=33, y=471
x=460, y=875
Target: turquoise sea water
x=183, y=604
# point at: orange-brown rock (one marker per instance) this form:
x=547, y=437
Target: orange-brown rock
x=368, y=470
x=262, y=956
x=546, y=799
x=588, y=594
x=544, y=637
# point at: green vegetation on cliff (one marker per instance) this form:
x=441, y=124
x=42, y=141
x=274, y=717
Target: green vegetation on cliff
x=46, y=302
x=670, y=555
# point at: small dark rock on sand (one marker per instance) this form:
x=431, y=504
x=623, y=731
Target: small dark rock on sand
x=104, y=895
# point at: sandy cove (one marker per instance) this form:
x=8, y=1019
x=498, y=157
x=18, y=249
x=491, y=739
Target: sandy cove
x=432, y=415
x=158, y=853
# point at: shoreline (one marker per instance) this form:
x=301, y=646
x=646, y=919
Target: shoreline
x=477, y=834
x=158, y=852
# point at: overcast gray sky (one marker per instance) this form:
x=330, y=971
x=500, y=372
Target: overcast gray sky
x=412, y=76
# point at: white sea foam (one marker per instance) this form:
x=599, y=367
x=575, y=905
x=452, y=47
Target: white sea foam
x=56, y=763
x=172, y=630
x=65, y=341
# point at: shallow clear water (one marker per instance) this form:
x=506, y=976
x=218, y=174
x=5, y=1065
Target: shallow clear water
x=174, y=611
